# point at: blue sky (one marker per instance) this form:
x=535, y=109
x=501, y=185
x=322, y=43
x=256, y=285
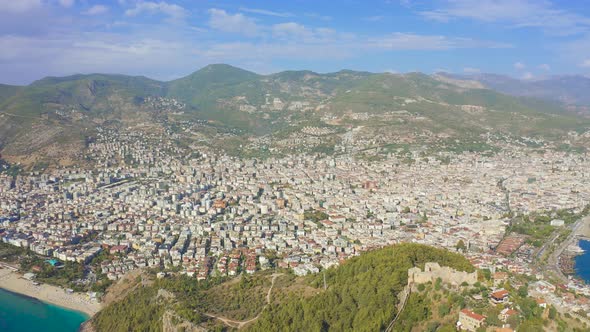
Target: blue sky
x=168, y=39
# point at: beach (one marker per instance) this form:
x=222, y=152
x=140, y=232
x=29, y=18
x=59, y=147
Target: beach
x=13, y=281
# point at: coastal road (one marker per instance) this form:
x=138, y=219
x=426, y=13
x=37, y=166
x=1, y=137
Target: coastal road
x=574, y=228
x=580, y=228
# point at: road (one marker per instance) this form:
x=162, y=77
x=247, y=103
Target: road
x=553, y=261
x=238, y=324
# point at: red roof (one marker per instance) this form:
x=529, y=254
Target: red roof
x=511, y=312
x=473, y=315
x=500, y=294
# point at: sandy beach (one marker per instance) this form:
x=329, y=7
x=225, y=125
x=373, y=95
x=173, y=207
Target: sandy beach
x=13, y=281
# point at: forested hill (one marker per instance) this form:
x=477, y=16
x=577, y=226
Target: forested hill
x=361, y=295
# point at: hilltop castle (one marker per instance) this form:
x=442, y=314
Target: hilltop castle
x=433, y=271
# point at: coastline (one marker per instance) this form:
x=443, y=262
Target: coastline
x=581, y=261
x=13, y=282
x=580, y=233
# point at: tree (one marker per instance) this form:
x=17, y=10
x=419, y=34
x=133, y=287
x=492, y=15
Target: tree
x=447, y=328
x=461, y=245
x=487, y=274
x=552, y=313
x=513, y=320
x=444, y=309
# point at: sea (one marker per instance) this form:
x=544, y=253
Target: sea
x=19, y=313
x=582, y=265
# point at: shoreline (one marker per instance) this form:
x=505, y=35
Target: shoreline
x=13, y=282
x=576, y=274
x=581, y=233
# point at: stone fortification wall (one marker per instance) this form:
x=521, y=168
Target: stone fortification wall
x=433, y=271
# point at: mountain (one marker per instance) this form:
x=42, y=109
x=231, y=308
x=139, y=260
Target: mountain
x=198, y=86
x=94, y=92
x=7, y=91
x=413, y=107
x=569, y=89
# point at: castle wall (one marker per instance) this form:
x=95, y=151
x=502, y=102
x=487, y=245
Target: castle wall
x=433, y=271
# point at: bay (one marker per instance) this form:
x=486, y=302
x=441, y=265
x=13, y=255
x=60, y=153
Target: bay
x=22, y=313
x=582, y=264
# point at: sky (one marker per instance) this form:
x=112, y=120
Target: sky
x=165, y=40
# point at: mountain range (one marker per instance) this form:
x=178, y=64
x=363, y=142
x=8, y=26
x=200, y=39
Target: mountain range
x=570, y=90
x=55, y=116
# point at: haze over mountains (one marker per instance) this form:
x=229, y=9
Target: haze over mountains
x=65, y=111
x=567, y=89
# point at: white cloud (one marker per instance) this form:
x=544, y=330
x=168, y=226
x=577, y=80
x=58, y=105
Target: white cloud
x=544, y=67
x=247, y=51
x=576, y=51
x=295, y=31
x=405, y=3
x=220, y=20
x=442, y=70
x=29, y=58
x=265, y=12
x=528, y=76
x=518, y=13
x=70, y=45
x=408, y=41
x=471, y=70
x=375, y=18
x=171, y=10
x=291, y=29
x=96, y=10
x=318, y=16
x=65, y=3
x=519, y=65
x=19, y=6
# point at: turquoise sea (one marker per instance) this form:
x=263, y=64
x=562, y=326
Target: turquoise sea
x=22, y=314
x=583, y=262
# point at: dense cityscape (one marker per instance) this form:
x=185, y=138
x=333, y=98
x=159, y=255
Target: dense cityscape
x=215, y=215
x=294, y=166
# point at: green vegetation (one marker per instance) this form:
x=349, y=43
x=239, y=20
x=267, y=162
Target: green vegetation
x=142, y=310
x=8, y=169
x=68, y=275
x=361, y=295
x=217, y=92
x=240, y=300
x=538, y=225
x=9, y=252
x=189, y=299
x=315, y=215
x=65, y=275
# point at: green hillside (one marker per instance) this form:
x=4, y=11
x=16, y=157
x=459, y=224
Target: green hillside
x=361, y=295
x=7, y=91
x=210, y=83
x=412, y=105
x=95, y=92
